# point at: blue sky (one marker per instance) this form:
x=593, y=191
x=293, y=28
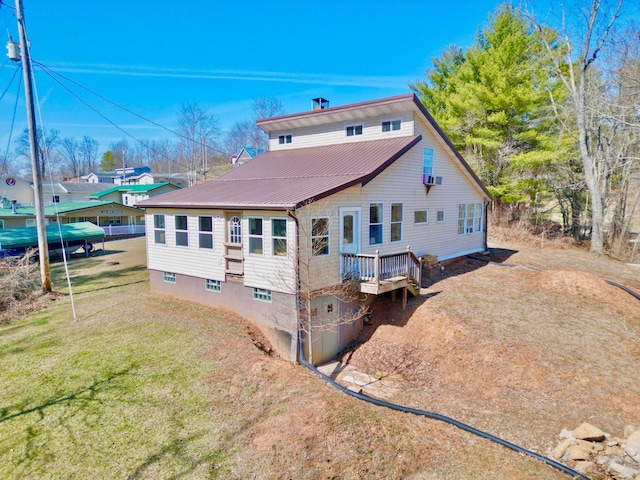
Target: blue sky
x=151, y=57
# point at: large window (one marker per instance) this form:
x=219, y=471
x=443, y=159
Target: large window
x=182, y=234
x=279, y=236
x=396, y=222
x=469, y=218
x=375, y=223
x=320, y=236
x=282, y=139
x=205, y=232
x=389, y=125
x=255, y=235
x=354, y=130
x=158, y=228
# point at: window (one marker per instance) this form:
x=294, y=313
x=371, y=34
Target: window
x=375, y=223
x=158, y=228
x=1, y=224
x=205, y=232
x=427, y=161
x=390, y=125
x=182, y=235
x=477, y=219
x=235, y=230
x=279, y=235
x=396, y=222
x=282, y=139
x=320, y=236
x=30, y=222
x=56, y=199
x=169, y=277
x=212, y=285
x=255, y=235
x=421, y=216
x=354, y=130
x=262, y=294
x=469, y=218
x=440, y=216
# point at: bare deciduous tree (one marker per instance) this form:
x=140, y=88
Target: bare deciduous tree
x=198, y=129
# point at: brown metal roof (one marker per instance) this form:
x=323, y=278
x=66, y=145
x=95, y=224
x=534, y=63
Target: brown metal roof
x=287, y=178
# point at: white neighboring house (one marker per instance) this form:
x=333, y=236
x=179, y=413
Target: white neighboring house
x=381, y=175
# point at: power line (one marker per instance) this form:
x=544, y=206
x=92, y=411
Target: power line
x=10, y=82
x=44, y=67
x=13, y=118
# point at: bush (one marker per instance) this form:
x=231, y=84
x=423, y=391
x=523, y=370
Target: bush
x=19, y=280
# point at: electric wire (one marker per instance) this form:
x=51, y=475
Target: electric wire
x=95, y=110
x=10, y=82
x=13, y=118
x=131, y=112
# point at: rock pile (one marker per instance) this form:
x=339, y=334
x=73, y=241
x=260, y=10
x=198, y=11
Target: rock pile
x=588, y=450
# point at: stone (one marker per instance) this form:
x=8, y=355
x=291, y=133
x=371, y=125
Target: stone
x=633, y=444
x=585, y=467
x=578, y=452
x=635, y=454
x=629, y=429
x=613, y=450
x=566, y=433
x=612, y=443
x=623, y=472
x=588, y=432
x=560, y=450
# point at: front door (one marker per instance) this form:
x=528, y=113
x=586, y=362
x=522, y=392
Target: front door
x=349, y=230
x=233, y=245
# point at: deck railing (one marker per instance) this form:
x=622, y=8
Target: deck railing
x=111, y=230
x=366, y=268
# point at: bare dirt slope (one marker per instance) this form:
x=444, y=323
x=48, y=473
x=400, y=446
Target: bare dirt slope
x=521, y=348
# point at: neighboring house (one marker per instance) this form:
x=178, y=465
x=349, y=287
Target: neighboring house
x=63, y=192
x=136, y=176
x=357, y=192
x=17, y=189
x=132, y=194
x=246, y=154
x=115, y=219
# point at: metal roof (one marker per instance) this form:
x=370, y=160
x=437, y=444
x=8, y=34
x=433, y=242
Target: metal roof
x=287, y=178
x=135, y=188
x=61, y=208
x=28, y=237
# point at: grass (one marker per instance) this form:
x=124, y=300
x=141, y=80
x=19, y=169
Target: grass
x=119, y=393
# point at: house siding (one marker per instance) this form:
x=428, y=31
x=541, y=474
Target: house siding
x=335, y=133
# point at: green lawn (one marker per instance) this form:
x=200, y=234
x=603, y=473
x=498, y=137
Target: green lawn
x=118, y=393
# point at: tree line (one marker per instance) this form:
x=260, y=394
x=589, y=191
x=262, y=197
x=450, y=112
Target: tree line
x=198, y=149
x=548, y=117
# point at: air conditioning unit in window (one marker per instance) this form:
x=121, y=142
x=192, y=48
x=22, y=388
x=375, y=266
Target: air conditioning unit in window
x=431, y=180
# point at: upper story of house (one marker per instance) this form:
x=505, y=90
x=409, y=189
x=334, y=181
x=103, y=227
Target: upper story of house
x=372, y=120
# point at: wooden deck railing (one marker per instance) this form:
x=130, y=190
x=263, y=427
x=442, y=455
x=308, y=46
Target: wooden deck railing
x=366, y=268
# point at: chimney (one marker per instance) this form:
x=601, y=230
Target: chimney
x=319, y=103
x=13, y=206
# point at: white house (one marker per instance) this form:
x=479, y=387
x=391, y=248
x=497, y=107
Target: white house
x=353, y=193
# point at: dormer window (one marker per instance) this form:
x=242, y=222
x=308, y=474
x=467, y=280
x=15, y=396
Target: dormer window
x=389, y=125
x=282, y=139
x=354, y=130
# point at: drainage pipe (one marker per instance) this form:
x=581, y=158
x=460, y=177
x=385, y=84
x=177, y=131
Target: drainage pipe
x=437, y=416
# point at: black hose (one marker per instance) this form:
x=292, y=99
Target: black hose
x=628, y=290
x=437, y=416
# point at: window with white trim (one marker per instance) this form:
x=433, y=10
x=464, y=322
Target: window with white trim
x=353, y=130
x=427, y=161
x=205, y=232
x=56, y=199
x=440, y=216
x=158, y=229
x=396, y=222
x=389, y=125
x=320, y=236
x=282, y=139
x=421, y=216
x=235, y=230
x=212, y=285
x=182, y=234
x=255, y=235
x=279, y=236
x=375, y=223
x=262, y=294
x=169, y=277
x=469, y=218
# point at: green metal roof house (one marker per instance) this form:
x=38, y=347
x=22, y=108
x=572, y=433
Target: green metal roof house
x=132, y=194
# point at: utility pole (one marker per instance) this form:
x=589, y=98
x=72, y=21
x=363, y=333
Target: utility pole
x=43, y=247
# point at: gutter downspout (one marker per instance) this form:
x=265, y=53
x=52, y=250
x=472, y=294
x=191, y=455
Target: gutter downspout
x=486, y=226
x=297, y=353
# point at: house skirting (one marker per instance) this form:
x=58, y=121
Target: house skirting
x=276, y=318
